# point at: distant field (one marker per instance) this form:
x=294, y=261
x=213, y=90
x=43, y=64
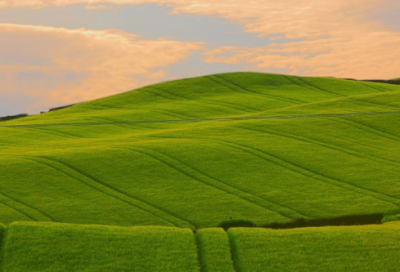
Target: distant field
x=198, y=174
x=64, y=247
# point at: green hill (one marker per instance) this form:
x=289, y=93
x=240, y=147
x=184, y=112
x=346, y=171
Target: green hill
x=64, y=247
x=195, y=152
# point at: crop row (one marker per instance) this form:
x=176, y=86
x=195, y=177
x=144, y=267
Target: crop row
x=66, y=247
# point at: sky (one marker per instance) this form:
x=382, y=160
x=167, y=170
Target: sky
x=59, y=52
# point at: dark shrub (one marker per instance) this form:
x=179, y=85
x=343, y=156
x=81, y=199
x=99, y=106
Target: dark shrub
x=239, y=223
x=13, y=117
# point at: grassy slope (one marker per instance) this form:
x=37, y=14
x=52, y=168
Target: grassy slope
x=64, y=247
x=232, y=94
x=50, y=247
x=199, y=174
x=367, y=248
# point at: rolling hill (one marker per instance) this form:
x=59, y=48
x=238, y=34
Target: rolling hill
x=140, y=181
x=195, y=152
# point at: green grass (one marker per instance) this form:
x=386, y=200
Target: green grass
x=391, y=217
x=214, y=250
x=65, y=247
x=366, y=248
x=232, y=94
x=62, y=247
x=198, y=174
x=2, y=227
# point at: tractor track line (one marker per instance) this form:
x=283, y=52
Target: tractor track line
x=250, y=118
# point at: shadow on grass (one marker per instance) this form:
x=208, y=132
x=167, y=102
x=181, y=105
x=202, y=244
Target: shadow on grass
x=393, y=82
x=350, y=220
x=236, y=224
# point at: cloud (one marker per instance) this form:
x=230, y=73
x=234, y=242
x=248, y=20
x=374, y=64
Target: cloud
x=92, y=7
x=334, y=38
x=337, y=39
x=66, y=66
x=370, y=56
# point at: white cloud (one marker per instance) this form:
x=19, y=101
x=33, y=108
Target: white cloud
x=64, y=65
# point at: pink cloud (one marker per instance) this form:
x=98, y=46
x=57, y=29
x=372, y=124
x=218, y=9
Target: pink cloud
x=68, y=66
x=92, y=7
x=338, y=39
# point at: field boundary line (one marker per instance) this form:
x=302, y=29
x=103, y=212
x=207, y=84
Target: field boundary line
x=237, y=146
x=311, y=87
x=363, y=128
x=236, y=188
x=372, y=87
x=229, y=87
x=249, y=118
x=209, y=102
x=171, y=113
x=327, y=145
x=322, y=177
x=52, y=132
x=318, y=88
x=375, y=105
x=275, y=204
x=16, y=209
x=376, y=129
x=26, y=205
x=117, y=194
x=162, y=96
x=134, y=198
x=217, y=187
x=140, y=151
x=269, y=96
x=180, y=97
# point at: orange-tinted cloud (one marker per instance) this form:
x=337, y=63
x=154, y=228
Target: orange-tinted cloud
x=337, y=37
x=68, y=66
x=371, y=56
x=91, y=7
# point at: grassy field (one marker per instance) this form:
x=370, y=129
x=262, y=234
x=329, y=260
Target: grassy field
x=101, y=169
x=197, y=174
x=214, y=250
x=62, y=247
x=65, y=247
x=187, y=155
x=367, y=248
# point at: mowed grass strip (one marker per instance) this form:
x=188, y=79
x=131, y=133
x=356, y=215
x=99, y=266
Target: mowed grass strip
x=366, y=248
x=52, y=247
x=214, y=250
